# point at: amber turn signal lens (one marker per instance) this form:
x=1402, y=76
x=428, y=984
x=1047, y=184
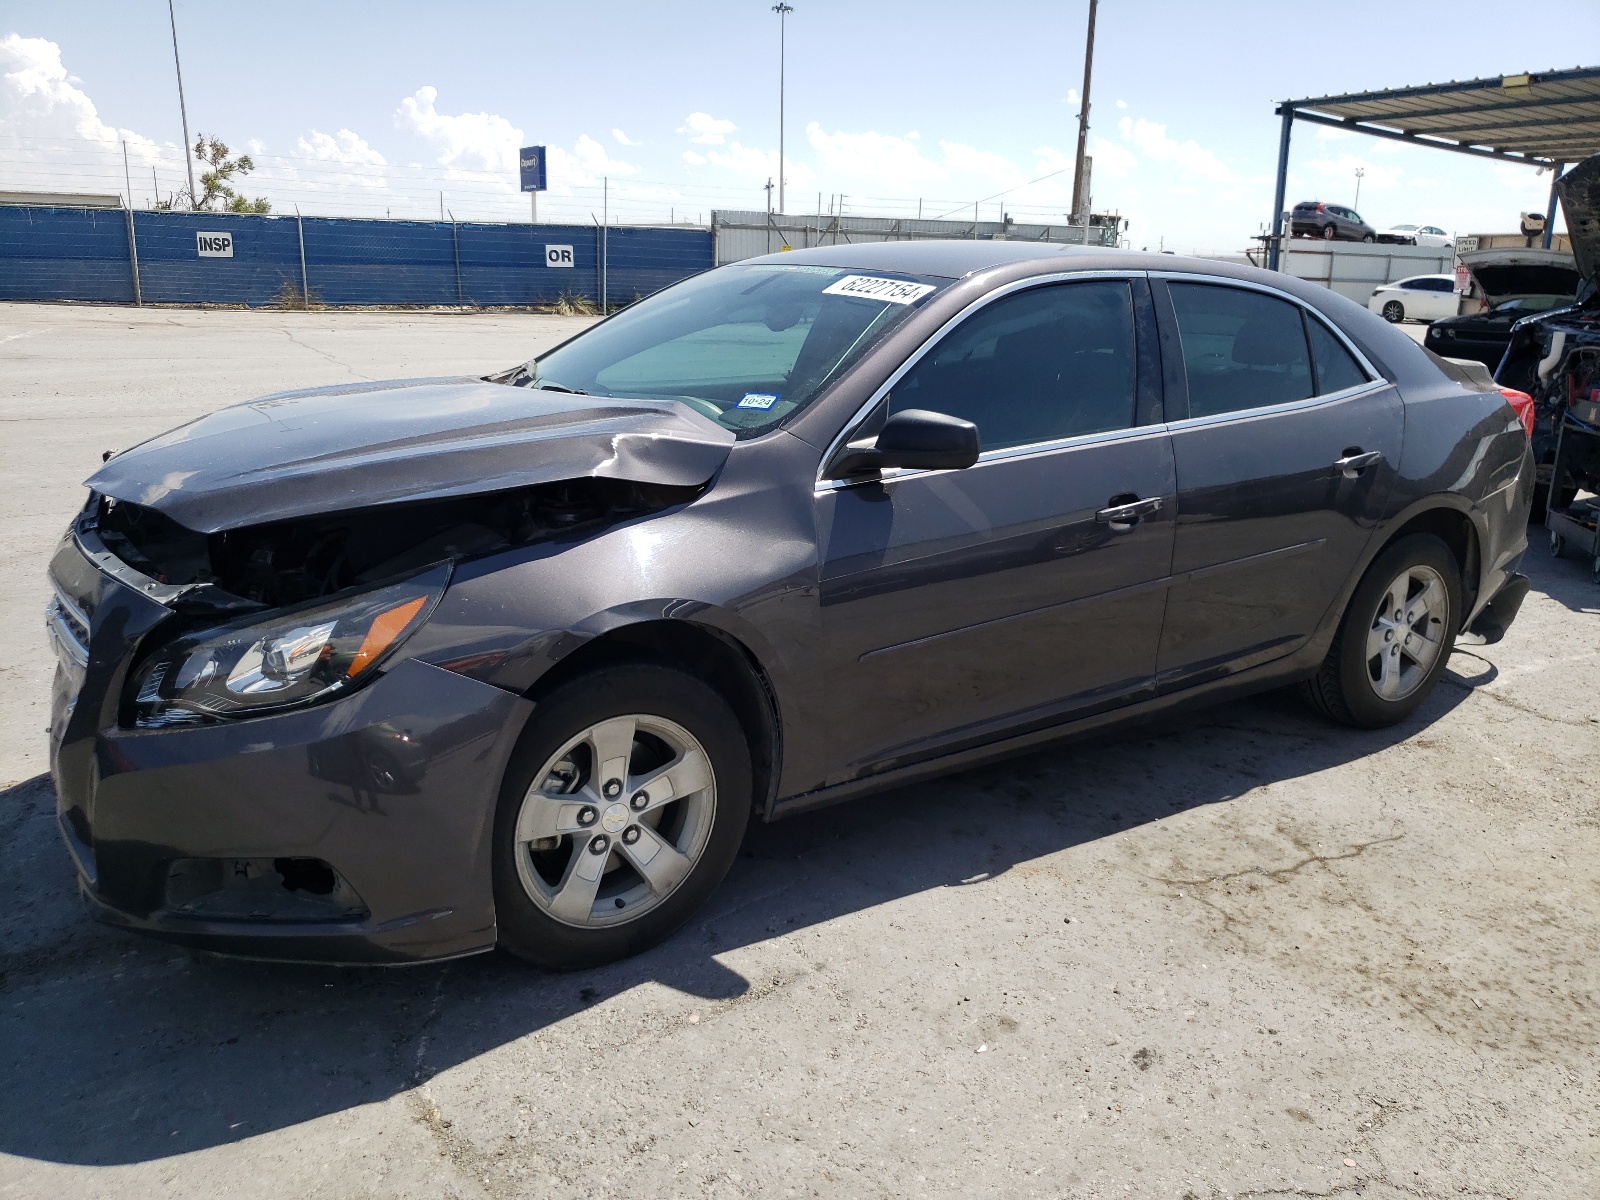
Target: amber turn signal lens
x=387, y=626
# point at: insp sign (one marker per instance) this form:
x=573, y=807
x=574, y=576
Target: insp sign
x=556, y=256
x=214, y=245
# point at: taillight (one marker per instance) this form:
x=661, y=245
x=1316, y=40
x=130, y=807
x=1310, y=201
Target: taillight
x=1321, y=208
x=1523, y=403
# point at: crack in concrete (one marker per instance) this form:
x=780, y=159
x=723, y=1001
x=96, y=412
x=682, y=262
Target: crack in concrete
x=1280, y=873
x=315, y=350
x=1585, y=723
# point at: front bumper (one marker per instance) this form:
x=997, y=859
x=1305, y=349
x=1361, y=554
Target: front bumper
x=201, y=835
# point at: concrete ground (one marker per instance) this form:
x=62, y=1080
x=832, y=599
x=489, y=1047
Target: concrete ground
x=1236, y=953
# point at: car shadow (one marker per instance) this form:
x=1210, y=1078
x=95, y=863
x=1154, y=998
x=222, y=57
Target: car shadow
x=119, y=1049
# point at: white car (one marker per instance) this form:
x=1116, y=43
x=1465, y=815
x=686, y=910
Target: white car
x=1416, y=235
x=1420, y=298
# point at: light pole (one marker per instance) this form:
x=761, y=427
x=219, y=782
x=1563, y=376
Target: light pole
x=1360, y=173
x=783, y=11
x=182, y=110
x=1080, y=202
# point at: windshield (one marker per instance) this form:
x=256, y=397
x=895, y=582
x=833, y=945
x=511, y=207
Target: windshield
x=1532, y=304
x=745, y=345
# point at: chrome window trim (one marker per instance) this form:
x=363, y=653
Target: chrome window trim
x=933, y=340
x=1272, y=410
x=1376, y=382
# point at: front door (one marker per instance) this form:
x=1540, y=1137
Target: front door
x=1284, y=460
x=956, y=604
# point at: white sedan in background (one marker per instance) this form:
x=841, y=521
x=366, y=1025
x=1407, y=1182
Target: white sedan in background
x=1416, y=235
x=1420, y=298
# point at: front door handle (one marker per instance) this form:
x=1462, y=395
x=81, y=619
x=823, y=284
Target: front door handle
x=1354, y=462
x=1126, y=516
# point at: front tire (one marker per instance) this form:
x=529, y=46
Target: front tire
x=1394, y=639
x=621, y=810
x=1394, y=312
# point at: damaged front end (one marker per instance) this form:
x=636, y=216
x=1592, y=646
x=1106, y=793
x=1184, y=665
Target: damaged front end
x=312, y=607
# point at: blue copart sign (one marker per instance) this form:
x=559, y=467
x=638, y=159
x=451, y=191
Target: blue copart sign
x=530, y=167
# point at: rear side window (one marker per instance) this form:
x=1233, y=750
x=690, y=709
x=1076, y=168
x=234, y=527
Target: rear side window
x=1049, y=363
x=1240, y=349
x=1336, y=367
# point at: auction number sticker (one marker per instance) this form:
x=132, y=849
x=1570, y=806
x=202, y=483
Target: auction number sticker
x=872, y=287
x=762, y=400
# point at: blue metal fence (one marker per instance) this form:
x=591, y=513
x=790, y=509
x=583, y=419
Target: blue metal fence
x=90, y=254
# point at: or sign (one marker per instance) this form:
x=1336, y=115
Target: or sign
x=558, y=256
x=214, y=245
x=530, y=167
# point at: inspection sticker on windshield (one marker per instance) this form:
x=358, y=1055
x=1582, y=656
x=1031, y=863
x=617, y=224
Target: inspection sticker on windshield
x=758, y=400
x=871, y=287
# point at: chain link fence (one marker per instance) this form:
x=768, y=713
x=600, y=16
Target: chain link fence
x=121, y=257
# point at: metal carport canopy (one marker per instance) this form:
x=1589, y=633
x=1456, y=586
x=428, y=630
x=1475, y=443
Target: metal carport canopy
x=1545, y=120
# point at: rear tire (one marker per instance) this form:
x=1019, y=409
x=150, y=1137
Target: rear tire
x=1394, y=312
x=1328, y=233
x=556, y=814
x=1381, y=667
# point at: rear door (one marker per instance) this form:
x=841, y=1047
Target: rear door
x=958, y=604
x=1285, y=443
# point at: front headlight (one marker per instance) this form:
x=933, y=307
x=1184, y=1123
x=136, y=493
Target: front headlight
x=284, y=659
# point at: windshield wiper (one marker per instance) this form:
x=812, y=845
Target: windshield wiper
x=543, y=385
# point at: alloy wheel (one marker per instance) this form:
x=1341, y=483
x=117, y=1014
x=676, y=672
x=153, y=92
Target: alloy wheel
x=615, y=820
x=1407, y=632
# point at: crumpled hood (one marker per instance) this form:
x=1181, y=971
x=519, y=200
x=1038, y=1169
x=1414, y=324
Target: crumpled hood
x=1579, y=190
x=1506, y=272
x=301, y=453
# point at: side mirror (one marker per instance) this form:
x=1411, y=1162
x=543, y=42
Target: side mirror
x=914, y=438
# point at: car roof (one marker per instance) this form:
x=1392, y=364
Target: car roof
x=951, y=259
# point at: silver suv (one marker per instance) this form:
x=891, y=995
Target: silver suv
x=1335, y=222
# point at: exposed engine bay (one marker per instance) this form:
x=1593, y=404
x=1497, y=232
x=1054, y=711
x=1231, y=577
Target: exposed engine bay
x=1556, y=360
x=289, y=562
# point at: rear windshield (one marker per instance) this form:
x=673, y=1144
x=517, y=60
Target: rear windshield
x=745, y=345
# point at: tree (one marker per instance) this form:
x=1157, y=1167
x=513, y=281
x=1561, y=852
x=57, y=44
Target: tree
x=214, y=184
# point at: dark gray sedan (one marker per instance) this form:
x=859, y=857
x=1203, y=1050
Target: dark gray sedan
x=408, y=670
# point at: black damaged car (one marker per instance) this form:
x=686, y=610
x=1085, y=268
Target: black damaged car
x=409, y=670
x=1555, y=356
x=1516, y=283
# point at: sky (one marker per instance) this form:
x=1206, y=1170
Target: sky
x=892, y=107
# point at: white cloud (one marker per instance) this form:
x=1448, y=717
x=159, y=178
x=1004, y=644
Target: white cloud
x=38, y=97
x=344, y=147
x=706, y=129
x=623, y=139
x=694, y=159
x=485, y=141
x=1122, y=104
x=985, y=164
x=1072, y=95
x=1112, y=161
x=1152, y=141
x=584, y=164
x=870, y=157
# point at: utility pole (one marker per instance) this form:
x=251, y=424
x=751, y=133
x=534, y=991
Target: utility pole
x=1080, y=202
x=783, y=11
x=1360, y=173
x=183, y=110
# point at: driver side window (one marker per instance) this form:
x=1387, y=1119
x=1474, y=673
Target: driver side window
x=1049, y=363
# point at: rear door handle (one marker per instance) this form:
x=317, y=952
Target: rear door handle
x=1354, y=462
x=1128, y=515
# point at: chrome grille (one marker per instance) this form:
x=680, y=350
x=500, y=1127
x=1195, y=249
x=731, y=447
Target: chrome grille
x=69, y=629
